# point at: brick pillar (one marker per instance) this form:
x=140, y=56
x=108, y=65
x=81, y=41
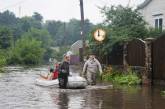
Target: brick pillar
x=147, y=75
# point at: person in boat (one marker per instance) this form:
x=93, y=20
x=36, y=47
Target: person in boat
x=56, y=72
x=90, y=69
x=53, y=74
x=64, y=72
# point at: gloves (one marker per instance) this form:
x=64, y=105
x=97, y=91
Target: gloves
x=82, y=75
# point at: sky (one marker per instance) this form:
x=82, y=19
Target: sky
x=63, y=10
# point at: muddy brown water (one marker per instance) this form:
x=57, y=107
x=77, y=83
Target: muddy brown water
x=18, y=91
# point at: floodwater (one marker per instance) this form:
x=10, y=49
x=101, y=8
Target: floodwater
x=18, y=91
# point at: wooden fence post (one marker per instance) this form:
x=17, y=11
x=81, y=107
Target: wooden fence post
x=125, y=64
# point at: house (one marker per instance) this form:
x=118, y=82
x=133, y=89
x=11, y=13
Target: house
x=153, y=12
x=75, y=52
x=76, y=46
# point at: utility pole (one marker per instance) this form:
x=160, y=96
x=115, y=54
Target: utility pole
x=129, y=2
x=82, y=27
x=19, y=11
x=64, y=34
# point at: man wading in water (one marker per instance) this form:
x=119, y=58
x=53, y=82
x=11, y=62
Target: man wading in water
x=91, y=67
x=64, y=72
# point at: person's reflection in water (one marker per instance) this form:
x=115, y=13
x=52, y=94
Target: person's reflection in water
x=93, y=100
x=63, y=101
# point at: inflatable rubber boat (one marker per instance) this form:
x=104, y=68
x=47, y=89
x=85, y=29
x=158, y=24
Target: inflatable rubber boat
x=73, y=82
x=44, y=82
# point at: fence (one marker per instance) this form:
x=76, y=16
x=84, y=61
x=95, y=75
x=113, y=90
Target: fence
x=150, y=56
x=158, y=59
x=147, y=55
x=116, y=55
x=136, y=53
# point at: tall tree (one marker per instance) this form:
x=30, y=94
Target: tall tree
x=54, y=27
x=122, y=24
x=5, y=38
x=37, y=16
x=40, y=35
x=125, y=22
x=8, y=18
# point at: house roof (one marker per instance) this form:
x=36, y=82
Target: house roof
x=78, y=43
x=144, y=4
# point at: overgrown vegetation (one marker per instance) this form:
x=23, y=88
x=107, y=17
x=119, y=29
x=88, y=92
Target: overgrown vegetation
x=128, y=78
x=121, y=24
x=59, y=54
x=27, y=51
x=28, y=40
x=162, y=93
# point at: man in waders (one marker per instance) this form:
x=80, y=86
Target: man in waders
x=90, y=69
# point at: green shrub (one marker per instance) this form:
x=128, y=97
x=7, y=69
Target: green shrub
x=129, y=78
x=162, y=93
x=28, y=51
x=2, y=60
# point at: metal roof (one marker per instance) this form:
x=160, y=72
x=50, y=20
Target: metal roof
x=144, y=4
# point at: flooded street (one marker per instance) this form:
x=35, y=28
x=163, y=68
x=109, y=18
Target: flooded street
x=18, y=91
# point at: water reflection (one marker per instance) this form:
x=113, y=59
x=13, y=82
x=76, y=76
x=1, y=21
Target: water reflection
x=121, y=97
x=17, y=91
x=63, y=101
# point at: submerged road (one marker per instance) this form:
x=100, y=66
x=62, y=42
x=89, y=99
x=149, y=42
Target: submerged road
x=18, y=91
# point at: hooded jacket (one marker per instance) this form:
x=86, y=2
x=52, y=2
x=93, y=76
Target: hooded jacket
x=92, y=65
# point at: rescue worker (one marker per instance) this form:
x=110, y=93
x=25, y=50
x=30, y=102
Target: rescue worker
x=64, y=72
x=90, y=69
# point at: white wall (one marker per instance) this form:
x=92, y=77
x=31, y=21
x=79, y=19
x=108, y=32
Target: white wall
x=154, y=7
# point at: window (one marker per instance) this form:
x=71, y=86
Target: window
x=156, y=23
x=159, y=24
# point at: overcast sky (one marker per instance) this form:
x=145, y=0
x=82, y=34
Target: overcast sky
x=61, y=9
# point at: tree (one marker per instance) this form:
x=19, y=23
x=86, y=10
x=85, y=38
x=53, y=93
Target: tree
x=125, y=22
x=5, y=37
x=8, y=18
x=56, y=30
x=121, y=24
x=73, y=30
x=25, y=23
x=44, y=37
x=40, y=35
x=38, y=17
x=27, y=51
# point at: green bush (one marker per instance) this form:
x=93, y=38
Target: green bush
x=162, y=93
x=2, y=60
x=27, y=51
x=129, y=78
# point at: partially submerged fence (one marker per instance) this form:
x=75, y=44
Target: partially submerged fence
x=158, y=59
x=142, y=54
x=136, y=53
x=148, y=55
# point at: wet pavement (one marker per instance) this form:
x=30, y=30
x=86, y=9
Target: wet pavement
x=18, y=91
